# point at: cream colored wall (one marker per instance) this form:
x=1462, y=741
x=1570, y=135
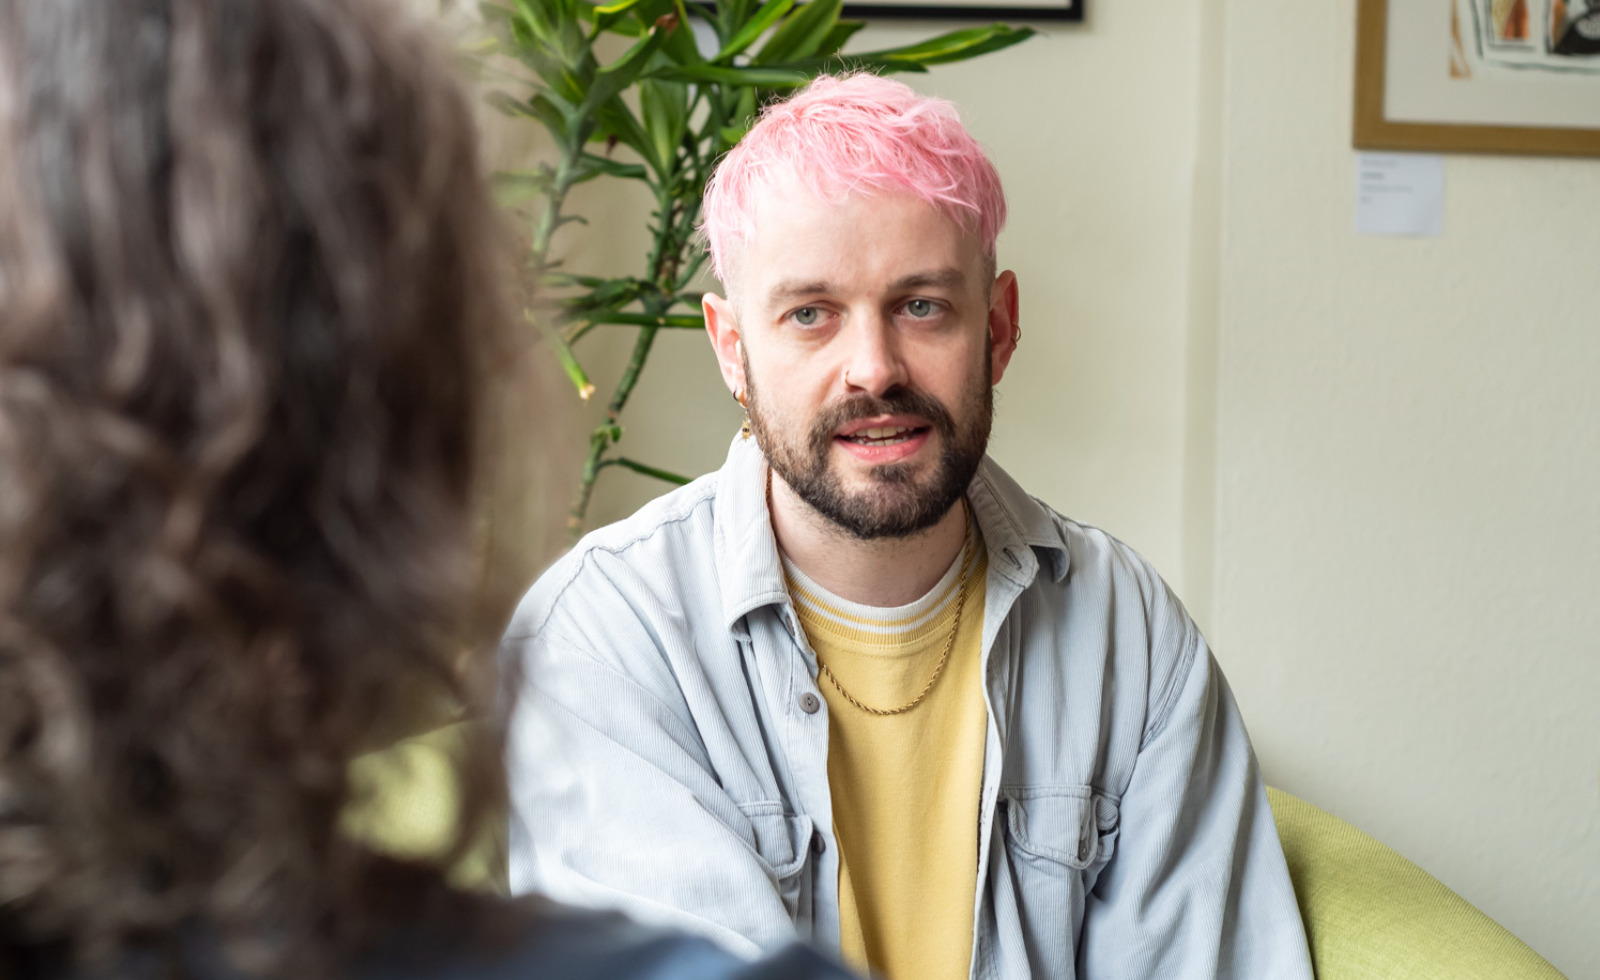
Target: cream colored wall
x=1371, y=466
x=1407, y=546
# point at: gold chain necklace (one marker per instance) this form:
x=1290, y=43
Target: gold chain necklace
x=949, y=643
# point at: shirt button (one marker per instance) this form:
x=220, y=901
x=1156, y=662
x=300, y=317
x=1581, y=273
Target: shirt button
x=818, y=842
x=809, y=703
x=1083, y=850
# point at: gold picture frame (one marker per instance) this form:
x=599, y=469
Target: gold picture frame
x=1376, y=128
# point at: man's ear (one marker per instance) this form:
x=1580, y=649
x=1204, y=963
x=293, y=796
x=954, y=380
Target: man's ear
x=723, y=327
x=1005, y=325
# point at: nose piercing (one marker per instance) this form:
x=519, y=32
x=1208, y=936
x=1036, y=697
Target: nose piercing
x=847, y=379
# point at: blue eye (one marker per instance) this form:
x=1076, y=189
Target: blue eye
x=807, y=316
x=920, y=308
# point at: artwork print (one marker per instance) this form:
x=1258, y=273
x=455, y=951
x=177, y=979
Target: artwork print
x=1551, y=37
x=1478, y=76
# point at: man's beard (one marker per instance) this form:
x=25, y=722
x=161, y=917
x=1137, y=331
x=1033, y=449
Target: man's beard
x=895, y=505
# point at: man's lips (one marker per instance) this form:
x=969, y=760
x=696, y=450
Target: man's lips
x=881, y=440
x=882, y=431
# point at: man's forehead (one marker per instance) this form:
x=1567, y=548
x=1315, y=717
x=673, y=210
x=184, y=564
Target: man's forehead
x=798, y=242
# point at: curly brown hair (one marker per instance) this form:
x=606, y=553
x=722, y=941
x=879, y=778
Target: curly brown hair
x=246, y=276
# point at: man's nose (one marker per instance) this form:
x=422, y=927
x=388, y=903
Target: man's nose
x=874, y=364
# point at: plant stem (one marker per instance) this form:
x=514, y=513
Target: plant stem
x=598, y=441
x=665, y=262
x=660, y=474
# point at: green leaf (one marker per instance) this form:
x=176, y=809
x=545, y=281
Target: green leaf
x=666, y=321
x=509, y=104
x=615, y=119
x=659, y=474
x=593, y=165
x=664, y=107
x=514, y=187
x=775, y=77
x=648, y=13
x=613, y=78
x=853, y=63
x=558, y=122
x=954, y=46
x=609, y=14
x=542, y=18
x=731, y=14
x=770, y=13
x=605, y=298
x=569, y=360
x=558, y=280
x=680, y=43
x=801, y=34
x=836, y=39
x=539, y=109
x=565, y=81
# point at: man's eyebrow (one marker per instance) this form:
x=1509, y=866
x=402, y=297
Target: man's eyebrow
x=796, y=288
x=939, y=279
x=791, y=289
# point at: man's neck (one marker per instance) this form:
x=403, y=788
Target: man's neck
x=879, y=572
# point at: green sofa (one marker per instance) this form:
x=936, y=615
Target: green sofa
x=1369, y=913
x=1372, y=915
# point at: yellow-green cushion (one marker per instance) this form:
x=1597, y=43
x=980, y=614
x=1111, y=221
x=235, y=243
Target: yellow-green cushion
x=405, y=801
x=1370, y=913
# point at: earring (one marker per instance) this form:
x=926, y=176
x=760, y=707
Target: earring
x=743, y=399
x=1016, y=334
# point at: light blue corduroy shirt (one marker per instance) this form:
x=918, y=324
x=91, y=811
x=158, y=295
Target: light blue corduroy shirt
x=668, y=750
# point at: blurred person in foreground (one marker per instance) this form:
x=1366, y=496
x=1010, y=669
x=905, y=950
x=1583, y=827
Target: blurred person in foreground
x=858, y=685
x=247, y=294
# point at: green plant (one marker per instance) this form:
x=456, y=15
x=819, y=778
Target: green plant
x=677, y=109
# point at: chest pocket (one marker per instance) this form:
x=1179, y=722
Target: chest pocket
x=784, y=843
x=1058, y=840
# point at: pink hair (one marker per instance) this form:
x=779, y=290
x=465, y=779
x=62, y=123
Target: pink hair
x=845, y=134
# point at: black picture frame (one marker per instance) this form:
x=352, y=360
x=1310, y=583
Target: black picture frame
x=1007, y=10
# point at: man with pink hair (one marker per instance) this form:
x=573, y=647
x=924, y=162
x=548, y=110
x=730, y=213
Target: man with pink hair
x=857, y=684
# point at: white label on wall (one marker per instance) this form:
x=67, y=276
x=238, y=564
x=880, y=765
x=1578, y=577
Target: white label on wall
x=1399, y=194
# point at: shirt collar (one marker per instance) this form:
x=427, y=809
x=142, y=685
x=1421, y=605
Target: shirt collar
x=748, y=567
x=1017, y=529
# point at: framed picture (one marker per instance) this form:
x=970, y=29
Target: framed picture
x=1483, y=76
x=1012, y=10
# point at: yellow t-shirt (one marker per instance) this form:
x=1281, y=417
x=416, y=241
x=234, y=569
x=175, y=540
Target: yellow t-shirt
x=905, y=787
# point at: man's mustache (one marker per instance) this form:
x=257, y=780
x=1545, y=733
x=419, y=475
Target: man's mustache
x=896, y=401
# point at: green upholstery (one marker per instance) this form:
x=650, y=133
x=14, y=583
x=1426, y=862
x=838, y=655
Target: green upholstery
x=1369, y=913
x=1372, y=915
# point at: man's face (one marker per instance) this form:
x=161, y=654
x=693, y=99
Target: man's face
x=866, y=332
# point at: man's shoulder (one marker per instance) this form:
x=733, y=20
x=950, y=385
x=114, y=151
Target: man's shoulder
x=1103, y=582
x=1103, y=554
x=1073, y=553
x=669, y=539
